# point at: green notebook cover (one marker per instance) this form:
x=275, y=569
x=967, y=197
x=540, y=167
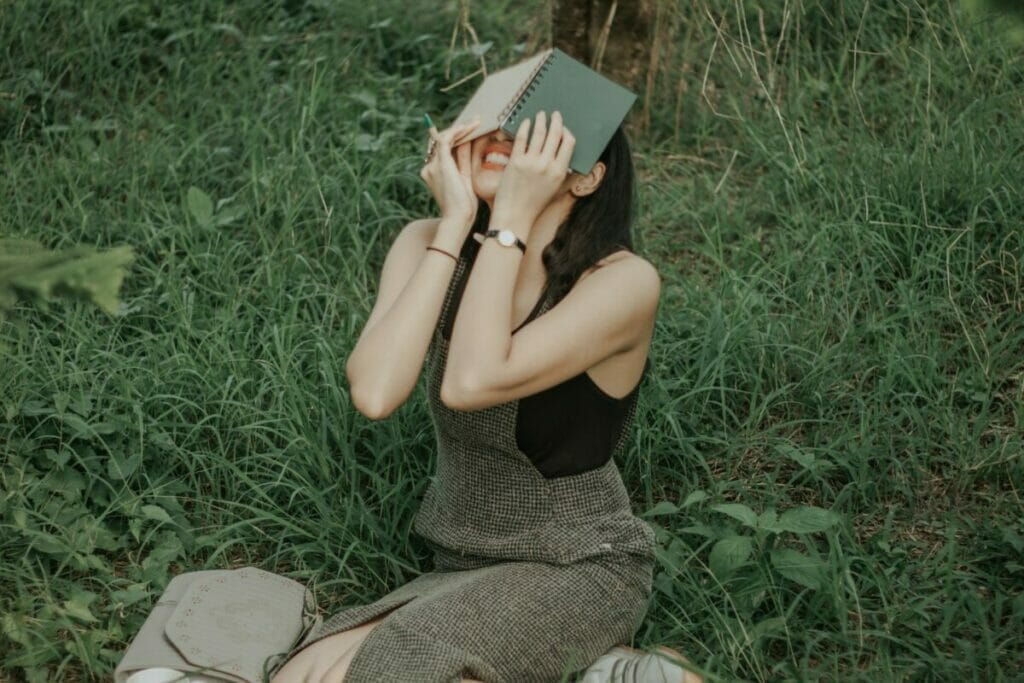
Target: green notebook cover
x=591, y=105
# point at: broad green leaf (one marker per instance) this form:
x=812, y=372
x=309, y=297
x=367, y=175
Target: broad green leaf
x=67, y=482
x=46, y=543
x=161, y=440
x=155, y=512
x=795, y=566
x=807, y=519
x=804, y=459
x=694, y=498
x=78, y=428
x=82, y=404
x=662, y=508
x=674, y=556
x=663, y=583
x=230, y=214
x=738, y=512
x=38, y=674
x=121, y=467
x=81, y=429
x=768, y=520
x=767, y=627
x=155, y=565
x=78, y=606
x=104, y=537
x=199, y=205
x=14, y=628
x=1015, y=540
x=29, y=269
x=134, y=593
x=34, y=408
x=58, y=458
x=701, y=530
x=729, y=554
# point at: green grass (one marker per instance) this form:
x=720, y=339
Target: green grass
x=834, y=202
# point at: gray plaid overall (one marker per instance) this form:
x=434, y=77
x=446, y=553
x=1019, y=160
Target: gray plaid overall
x=534, y=578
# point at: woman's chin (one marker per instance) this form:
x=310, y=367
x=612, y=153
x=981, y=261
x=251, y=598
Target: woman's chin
x=486, y=188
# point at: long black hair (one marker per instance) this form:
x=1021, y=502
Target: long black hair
x=598, y=224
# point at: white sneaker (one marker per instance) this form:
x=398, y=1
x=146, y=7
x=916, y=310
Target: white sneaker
x=626, y=665
x=163, y=675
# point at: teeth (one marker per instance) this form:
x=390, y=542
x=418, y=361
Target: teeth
x=496, y=158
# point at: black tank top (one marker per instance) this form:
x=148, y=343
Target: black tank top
x=569, y=428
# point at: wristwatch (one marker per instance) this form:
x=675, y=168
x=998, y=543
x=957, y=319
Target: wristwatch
x=506, y=238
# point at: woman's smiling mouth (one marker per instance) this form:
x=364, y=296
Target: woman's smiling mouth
x=496, y=157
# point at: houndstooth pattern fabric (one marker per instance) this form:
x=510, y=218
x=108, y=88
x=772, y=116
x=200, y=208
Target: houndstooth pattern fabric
x=534, y=578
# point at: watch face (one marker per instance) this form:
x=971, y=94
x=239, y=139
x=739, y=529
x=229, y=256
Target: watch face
x=507, y=237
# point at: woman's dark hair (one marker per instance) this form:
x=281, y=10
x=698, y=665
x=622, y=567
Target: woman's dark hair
x=599, y=224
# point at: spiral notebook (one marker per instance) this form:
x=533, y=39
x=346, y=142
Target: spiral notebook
x=591, y=105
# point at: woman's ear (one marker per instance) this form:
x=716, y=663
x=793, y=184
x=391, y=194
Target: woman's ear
x=586, y=184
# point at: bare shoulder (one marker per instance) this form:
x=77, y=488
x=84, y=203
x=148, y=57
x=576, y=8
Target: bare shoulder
x=627, y=265
x=625, y=281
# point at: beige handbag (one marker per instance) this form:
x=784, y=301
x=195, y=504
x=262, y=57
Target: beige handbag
x=232, y=625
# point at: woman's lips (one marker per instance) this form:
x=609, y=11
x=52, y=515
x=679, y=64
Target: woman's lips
x=495, y=148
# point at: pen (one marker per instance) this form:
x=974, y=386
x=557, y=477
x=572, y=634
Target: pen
x=434, y=136
x=431, y=128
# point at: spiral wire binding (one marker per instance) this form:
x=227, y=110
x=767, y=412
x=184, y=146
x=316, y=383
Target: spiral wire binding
x=517, y=102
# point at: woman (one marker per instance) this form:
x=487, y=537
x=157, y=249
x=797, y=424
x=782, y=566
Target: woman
x=540, y=567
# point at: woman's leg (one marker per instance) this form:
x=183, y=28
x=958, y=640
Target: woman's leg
x=327, y=659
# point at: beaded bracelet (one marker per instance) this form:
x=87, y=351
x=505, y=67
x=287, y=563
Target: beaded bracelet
x=445, y=252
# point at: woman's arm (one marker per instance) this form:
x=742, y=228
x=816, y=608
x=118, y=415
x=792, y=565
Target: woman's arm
x=606, y=313
x=386, y=361
x=388, y=356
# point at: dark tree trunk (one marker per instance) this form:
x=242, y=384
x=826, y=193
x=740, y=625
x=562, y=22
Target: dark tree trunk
x=577, y=25
x=570, y=27
x=629, y=39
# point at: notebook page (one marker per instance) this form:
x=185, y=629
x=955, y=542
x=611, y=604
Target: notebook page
x=495, y=94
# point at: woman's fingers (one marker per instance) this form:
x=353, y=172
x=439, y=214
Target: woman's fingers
x=462, y=158
x=554, y=136
x=465, y=131
x=564, y=155
x=449, y=138
x=455, y=133
x=522, y=134
x=539, y=131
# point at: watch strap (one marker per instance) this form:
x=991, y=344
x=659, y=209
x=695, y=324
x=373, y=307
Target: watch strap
x=519, y=243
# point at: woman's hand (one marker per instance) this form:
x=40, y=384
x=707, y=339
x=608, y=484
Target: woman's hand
x=536, y=171
x=448, y=176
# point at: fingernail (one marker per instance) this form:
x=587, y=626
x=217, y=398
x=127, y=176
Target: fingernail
x=426, y=120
